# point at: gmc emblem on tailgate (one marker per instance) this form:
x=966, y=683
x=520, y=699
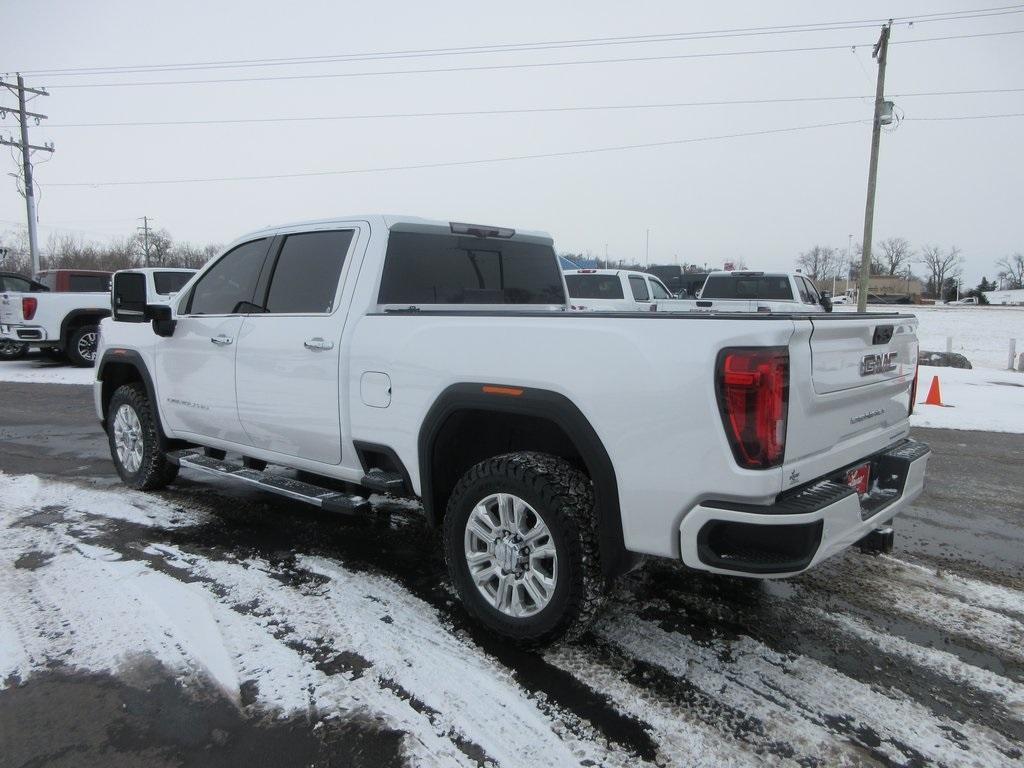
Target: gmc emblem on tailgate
x=870, y=364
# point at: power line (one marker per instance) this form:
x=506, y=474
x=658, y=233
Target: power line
x=511, y=158
x=456, y=163
x=517, y=66
x=527, y=110
x=533, y=45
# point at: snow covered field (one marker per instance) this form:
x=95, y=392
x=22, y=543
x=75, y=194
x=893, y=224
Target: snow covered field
x=981, y=334
x=36, y=368
x=682, y=670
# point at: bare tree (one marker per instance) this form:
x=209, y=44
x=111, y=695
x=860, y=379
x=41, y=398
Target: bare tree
x=941, y=264
x=893, y=253
x=1011, y=269
x=820, y=262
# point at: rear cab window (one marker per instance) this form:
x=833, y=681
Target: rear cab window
x=594, y=286
x=166, y=283
x=88, y=283
x=436, y=268
x=748, y=286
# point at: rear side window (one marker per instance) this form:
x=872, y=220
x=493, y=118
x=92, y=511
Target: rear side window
x=768, y=287
x=594, y=286
x=450, y=269
x=230, y=281
x=88, y=283
x=639, y=288
x=166, y=283
x=306, y=277
x=19, y=284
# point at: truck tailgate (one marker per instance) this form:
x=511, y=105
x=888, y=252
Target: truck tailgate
x=850, y=383
x=860, y=352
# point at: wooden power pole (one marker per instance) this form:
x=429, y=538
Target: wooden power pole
x=26, y=158
x=880, y=53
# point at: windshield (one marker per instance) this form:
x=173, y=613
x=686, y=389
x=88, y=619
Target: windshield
x=749, y=286
x=594, y=286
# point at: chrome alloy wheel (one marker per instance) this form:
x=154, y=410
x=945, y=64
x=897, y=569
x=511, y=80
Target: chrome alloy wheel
x=87, y=346
x=511, y=555
x=128, y=438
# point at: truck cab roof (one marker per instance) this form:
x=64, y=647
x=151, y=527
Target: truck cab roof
x=406, y=223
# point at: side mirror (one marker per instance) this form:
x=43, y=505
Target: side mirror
x=826, y=302
x=163, y=319
x=128, y=297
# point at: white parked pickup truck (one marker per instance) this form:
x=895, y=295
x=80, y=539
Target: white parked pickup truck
x=67, y=322
x=745, y=291
x=620, y=290
x=439, y=361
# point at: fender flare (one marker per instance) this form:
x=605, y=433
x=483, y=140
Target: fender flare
x=130, y=357
x=98, y=314
x=563, y=413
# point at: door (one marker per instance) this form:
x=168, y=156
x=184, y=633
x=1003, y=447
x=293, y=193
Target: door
x=641, y=295
x=288, y=356
x=196, y=366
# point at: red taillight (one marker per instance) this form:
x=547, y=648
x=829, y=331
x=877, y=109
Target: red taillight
x=913, y=390
x=753, y=396
x=28, y=307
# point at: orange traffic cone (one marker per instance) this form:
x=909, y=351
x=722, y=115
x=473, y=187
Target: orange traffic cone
x=934, y=396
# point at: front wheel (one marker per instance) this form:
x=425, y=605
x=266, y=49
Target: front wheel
x=521, y=547
x=135, y=440
x=12, y=350
x=82, y=346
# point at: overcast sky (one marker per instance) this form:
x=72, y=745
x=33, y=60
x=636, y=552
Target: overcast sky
x=760, y=198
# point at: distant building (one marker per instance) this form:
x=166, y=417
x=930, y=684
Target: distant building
x=880, y=287
x=1012, y=296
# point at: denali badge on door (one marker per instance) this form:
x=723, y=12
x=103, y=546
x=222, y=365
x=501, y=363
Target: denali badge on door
x=870, y=364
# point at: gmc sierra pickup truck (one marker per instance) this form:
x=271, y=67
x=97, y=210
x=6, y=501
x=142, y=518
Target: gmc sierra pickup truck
x=745, y=291
x=65, y=323
x=331, y=359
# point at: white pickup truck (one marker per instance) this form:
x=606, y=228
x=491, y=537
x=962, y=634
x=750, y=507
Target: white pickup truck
x=552, y=449
x=746, y=291
x=66, y=323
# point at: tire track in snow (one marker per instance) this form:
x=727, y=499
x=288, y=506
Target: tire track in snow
x=886, y=724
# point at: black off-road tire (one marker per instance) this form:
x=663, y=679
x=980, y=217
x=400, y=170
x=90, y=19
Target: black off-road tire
x=155, y=471
x=564, y=498
x=75, y=356
x=12, y=350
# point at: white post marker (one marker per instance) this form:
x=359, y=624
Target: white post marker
x=1013, y=353
x=949, y=344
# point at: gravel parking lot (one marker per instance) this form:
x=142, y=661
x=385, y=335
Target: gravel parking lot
x=210, y=625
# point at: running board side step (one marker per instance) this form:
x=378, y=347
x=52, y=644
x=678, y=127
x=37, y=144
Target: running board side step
x=332, y=501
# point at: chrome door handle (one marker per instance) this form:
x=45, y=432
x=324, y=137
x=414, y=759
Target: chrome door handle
x=317, y=344
x=221, y=340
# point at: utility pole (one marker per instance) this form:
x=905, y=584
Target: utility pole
x=880, y=52
x=26, y=158
x=144, y=229
x=647, y=248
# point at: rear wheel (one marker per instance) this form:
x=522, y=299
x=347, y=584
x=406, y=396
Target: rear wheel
x=135, y=440
x=12, y=350
x=82, y=345
x=521, y=547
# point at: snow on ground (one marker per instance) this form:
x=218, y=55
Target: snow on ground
x=980, y=398
x=808, y=672
x=38, y=369
x=981, y=334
